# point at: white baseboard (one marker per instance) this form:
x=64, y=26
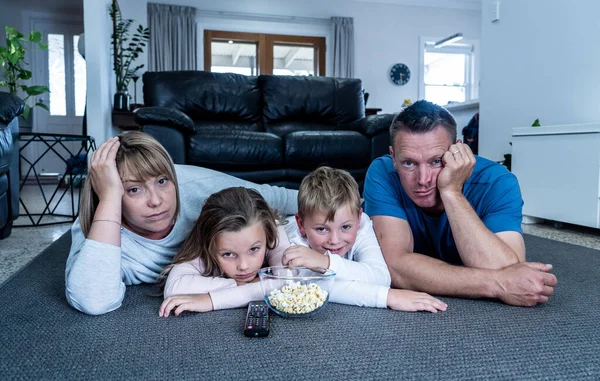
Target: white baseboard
x=528, y=220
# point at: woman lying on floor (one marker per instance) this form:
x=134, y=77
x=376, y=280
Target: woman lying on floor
x=136, y=210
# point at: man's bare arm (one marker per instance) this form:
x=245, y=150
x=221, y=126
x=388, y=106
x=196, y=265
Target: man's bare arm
x=523, y=284
x=476, y=244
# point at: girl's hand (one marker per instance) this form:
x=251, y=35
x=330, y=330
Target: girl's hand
x=297, y=255
x=180, y=303
x=103, y=172
x=411, y=301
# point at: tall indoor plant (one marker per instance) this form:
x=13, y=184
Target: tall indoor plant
x=126, y=49
x=13, y=66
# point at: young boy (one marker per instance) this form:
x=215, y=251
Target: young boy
x=331, y=231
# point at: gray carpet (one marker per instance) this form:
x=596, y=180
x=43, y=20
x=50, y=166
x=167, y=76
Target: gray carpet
x=43, y=338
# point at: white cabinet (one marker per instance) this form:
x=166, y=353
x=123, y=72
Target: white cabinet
x=558, y=168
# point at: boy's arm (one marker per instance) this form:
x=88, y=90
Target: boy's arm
x=358, y=294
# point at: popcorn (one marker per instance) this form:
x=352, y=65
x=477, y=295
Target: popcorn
x=297, y=298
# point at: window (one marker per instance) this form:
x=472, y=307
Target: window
x=63, y=75
x=449, y=73
x=255, y=53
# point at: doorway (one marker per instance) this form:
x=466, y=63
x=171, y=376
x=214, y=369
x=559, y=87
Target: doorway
x=63, y=70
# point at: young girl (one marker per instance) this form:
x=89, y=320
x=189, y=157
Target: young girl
x=217, y=268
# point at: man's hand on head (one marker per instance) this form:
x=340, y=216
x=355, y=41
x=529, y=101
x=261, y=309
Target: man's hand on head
x=458, y=162
x=525, y=284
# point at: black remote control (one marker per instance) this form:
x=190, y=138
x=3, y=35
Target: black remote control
x=257, y=319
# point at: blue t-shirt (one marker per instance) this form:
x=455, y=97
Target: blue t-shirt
x=492, y=191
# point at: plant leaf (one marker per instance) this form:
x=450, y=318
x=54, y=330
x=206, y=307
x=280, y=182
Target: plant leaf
x=26, y=112
x=42, y=105
x=35, y=36
x=37, y=90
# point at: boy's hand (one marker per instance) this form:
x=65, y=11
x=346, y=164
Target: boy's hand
x=180, y=303
x=406, y=300
x=298, y=255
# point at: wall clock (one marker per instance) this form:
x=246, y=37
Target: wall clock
x=400, y=74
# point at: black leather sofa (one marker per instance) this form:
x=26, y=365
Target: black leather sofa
x=10, y=108
x=266, y=129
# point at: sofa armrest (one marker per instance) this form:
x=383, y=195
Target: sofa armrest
x=374, y=124
x=164, y=116
x=11, y=106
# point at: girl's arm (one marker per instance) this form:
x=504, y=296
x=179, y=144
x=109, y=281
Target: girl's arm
x=368, y=265
x=187, y=278
x=93, y=278
x=187, y=289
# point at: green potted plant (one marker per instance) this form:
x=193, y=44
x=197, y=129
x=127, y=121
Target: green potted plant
x=126, y=49
x=13, y=66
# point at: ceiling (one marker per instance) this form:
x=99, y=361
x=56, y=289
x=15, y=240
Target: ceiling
x=455, y=4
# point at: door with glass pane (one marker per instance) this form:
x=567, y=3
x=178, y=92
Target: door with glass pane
x=63, y=70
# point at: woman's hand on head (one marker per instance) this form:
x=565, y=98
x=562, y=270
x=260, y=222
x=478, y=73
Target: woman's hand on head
x=103, y=172
x=412, y=301
x=179, y=303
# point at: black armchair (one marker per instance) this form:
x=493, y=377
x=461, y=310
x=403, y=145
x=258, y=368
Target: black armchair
x=10, y=108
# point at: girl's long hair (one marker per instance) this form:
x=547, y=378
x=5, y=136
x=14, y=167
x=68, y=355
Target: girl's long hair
x=139, y=156
x=229, y=210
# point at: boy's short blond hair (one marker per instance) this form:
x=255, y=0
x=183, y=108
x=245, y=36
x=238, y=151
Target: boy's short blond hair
x=327, y=190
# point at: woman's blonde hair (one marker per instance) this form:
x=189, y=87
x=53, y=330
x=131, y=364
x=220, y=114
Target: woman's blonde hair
x=326, y=190
x=139, y=156
x=229, y=210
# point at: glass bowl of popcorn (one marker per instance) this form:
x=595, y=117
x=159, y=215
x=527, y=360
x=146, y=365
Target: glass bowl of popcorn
x=297, y=292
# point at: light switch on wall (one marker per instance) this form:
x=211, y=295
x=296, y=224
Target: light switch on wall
x=495, y=11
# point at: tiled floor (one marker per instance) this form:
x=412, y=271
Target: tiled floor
x=27, y=242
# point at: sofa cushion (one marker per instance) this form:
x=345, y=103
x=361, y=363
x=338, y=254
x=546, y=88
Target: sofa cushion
x=205, y=96
x=227, y=125
x=311, y=99
x=235, y=150
x=287, y=127
x=340, y=149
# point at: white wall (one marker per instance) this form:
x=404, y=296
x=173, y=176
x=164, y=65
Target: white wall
x=100, y=76
x=540, y=60
x=13, y=13
x=385, y=34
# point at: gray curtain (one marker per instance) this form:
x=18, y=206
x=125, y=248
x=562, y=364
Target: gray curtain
x=343, y=47
x=172, y=44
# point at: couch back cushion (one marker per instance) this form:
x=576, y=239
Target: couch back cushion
x=205, y=96
x=320, y=100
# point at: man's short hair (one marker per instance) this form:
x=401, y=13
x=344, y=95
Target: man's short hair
x=422, y=117
x=326, y=190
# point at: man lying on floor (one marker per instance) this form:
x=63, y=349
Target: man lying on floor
x=448, y=222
